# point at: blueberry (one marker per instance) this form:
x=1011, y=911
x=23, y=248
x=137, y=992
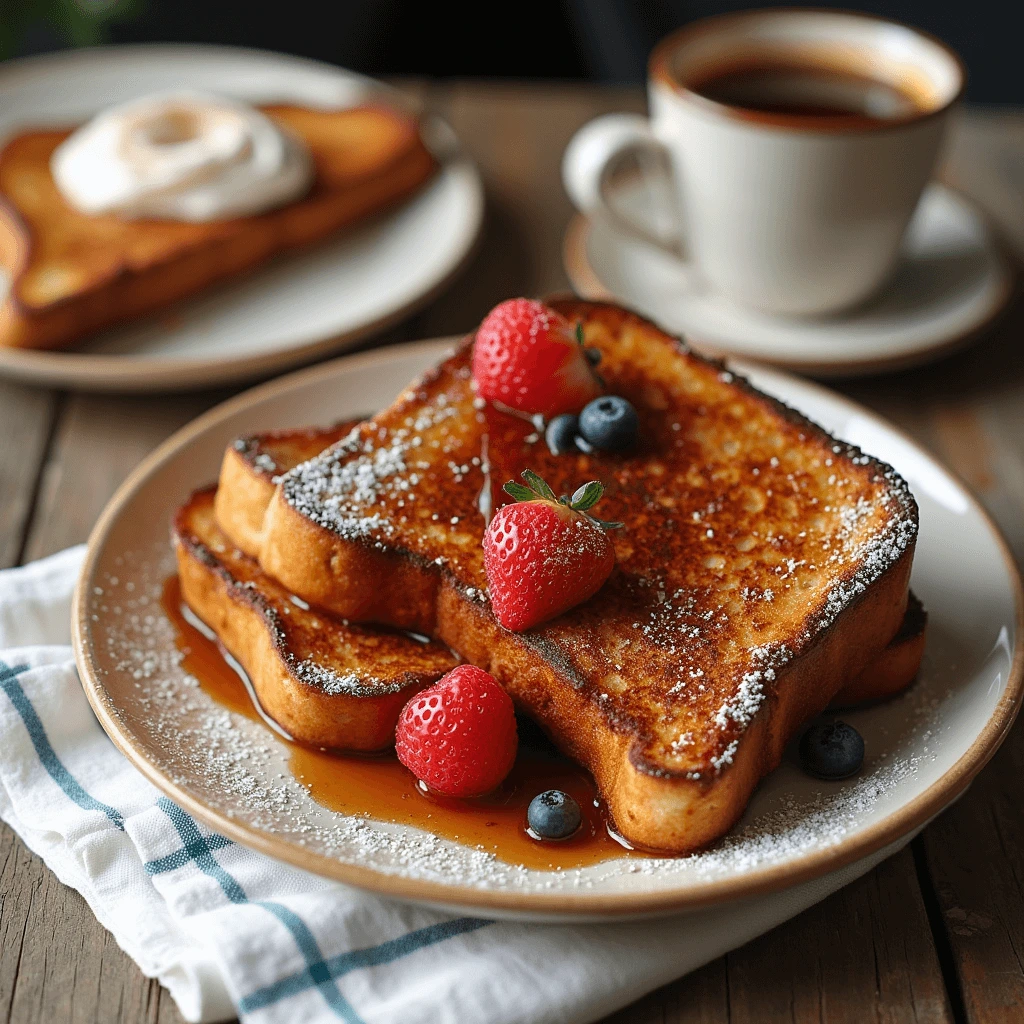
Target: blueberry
x=561, y=433
x=832, y=750
x=553, y=815
x=610, y=423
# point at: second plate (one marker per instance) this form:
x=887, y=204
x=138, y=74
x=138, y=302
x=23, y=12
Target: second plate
x=295, y=309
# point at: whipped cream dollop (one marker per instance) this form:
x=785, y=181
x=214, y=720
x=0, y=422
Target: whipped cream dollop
x=181, y=156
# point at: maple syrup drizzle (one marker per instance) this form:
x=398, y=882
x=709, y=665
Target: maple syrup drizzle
x=378, y=786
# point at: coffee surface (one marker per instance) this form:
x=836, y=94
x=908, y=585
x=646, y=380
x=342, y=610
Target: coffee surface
x=781, y=91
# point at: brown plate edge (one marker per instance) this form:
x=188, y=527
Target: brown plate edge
x=884, y=833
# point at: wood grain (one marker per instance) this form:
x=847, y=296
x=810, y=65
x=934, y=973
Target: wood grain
x=99, y=439
x=59, y=964
x=26, y=416
x=864, y=954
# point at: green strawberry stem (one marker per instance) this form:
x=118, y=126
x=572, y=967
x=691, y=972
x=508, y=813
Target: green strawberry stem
x=584, y=498
x=592, y=355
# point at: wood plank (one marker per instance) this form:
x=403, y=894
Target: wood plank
x=699, y=998
x=865, y=953
x=59, y=964
x=99, y=439
x=26, y=416
x=975, y=856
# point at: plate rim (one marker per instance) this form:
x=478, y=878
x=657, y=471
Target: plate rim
x=588, y=284
x=101, y=372
x=888, y=830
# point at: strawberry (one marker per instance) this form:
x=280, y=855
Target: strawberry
x=528, y=357
x=459, y=735
x=544, y=555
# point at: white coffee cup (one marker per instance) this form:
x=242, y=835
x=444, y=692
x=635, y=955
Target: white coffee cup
x=782, y=208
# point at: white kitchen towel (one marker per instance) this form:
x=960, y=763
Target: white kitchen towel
x=229, y=931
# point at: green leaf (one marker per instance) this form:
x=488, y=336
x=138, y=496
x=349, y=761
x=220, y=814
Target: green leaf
x=606, y=524
x=587, y=496
x=579, y=332
x=518, y=491
x=538, y=485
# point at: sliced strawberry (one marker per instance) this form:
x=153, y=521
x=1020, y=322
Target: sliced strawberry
x=544, y=555
x=528, y=357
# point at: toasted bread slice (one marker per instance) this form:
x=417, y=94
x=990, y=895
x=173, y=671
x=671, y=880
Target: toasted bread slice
x=72, y=274
x=896, y=667
x=253, y=465
x=763, y=566
x=326, y=682
x=250, y=471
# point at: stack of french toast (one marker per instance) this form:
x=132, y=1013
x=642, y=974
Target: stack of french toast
x=759, y=571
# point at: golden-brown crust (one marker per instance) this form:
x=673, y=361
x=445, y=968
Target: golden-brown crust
x=249, y=473
x=763, y=566
x=253, y=463
x=896, y=667
x=73, y=275
x=326, y=683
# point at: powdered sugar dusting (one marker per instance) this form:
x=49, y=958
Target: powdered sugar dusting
x=238, y=768
x=781, y=527
x=339, y=488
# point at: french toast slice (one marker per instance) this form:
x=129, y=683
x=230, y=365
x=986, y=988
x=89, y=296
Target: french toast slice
x=253, y=465
x=73, y=275
x=327, y=683
x=896, y=667
x=763, y=566
x=250, y=471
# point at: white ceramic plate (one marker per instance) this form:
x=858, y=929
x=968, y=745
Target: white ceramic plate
x=299, y=307
x=951, y=281
x=923, y=748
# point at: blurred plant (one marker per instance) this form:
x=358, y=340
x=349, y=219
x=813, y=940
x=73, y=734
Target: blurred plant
x=74, y=22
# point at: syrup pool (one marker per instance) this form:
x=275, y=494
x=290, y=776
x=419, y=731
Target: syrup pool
x=378, y=786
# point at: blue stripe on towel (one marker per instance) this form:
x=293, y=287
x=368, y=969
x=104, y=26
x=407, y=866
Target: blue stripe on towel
x=374, y=956
x=199, y=850
x=45, y=752
x=319, y=973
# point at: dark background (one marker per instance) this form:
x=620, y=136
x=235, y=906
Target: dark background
x=598, y=40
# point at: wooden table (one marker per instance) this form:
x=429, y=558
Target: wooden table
x=934, y=934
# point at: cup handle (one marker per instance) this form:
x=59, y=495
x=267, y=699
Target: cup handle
x=598, y=151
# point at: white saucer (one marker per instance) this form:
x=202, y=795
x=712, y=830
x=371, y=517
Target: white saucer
x=924, y=746
x=951, y=281
x=299, y=307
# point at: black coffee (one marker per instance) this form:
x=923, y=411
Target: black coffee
x=765, y=91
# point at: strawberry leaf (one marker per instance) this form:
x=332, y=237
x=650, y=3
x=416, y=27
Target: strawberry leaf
x=587, y=496
x=519, y=491
x=579, y=332
x=538, y=485
x=606, y=524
